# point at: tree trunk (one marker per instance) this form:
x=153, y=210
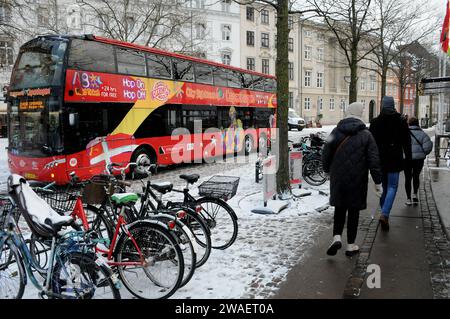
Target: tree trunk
x=283, y=181
x=416, y=102
x=383, y=85
x=353, y=90
x=402, y=96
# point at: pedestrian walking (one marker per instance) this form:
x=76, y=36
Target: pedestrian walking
x=348, y=155
x=421, y=146
x=391, y=132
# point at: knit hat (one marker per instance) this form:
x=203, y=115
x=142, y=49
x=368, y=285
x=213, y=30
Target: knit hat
x=355, y=109
x=388, y=102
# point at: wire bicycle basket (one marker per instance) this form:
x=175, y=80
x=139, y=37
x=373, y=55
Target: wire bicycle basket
x=61, y=200
x=219, y=186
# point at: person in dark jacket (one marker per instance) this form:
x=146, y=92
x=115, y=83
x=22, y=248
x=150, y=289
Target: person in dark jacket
x=421, y=146
x=391, y=133
x=348, y=155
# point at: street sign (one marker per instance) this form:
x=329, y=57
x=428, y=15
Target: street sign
x=434, y=86
x=295, y=168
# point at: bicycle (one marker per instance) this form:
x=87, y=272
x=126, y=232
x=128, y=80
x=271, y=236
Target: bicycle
x=74, y=270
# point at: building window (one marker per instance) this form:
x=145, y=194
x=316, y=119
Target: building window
x=226, y=32
x=372, y=85
x=250, y=14
x=291, y=71
x=307, y=33
x=291, y=100
x=290, y=22
x=200, y=4
x=320, y=103
x=226, y=58
x=5, y=13
x=342, y=104
x=410, y=94
x=307, y=52
x=265, y=16
x=265, y=40
x=320, y=80
x=291, y=44
x=363, y=85
x=320, y=36
x=226, y=4
x=363, y=102
x=307, y=103
x=332, y=104
x=320, y=54
x=6, y=53
x=42, y=16
x=307, y=78
x=251, y=64
x=265, y=66
x=251, y=38
x=200, y=30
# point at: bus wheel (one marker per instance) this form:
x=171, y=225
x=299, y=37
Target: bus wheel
x=143, y=158
x=248, y=144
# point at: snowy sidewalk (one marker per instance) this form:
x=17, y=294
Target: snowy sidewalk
x=413, y=257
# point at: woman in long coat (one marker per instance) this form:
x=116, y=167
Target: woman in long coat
x=348, y=155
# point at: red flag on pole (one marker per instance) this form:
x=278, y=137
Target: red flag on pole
x=445, y=30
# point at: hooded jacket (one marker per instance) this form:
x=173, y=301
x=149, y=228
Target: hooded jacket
x=421, y=145
x=350, y=164
x=393, y=139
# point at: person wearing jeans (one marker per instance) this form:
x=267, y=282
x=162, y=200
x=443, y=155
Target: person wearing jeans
x=348, y=154
x=391, y=133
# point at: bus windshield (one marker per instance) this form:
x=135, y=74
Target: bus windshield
x=40, y=64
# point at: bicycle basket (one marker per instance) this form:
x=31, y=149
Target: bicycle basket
x=5, y=206
x=94, y=194
x=61, y=200
x=218, y=186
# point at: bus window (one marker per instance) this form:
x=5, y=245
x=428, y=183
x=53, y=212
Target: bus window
x=183, y=70
x=130, y=62
x=220, y=77
x=258, y=83
x=39, y=64
x=91, y=56
x=203, y=74
x=246, y=80
x=234, y=80
x=270, y=85
x=159, y=66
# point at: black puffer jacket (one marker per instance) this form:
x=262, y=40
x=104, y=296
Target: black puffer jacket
x=349, y=166
x=391, y=133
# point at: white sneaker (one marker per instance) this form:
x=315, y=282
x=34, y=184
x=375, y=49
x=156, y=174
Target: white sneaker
x=335, y=245
x=415, y=200
x=351, y=250
x=408, y=202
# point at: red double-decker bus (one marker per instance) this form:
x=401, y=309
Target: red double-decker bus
x=76, y=103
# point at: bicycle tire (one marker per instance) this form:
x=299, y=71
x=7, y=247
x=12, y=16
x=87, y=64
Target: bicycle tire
x=94, y=275
x=201, y=233
x=170, y=258
x=11, y=266
x=311, y=169
x=180, y=232
x=210, y=209
x=99, y=222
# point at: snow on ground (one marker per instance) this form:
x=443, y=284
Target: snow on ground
x=267, y=246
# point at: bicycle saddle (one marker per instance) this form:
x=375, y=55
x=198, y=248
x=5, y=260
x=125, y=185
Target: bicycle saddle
x=162, y=187
x=193, y=178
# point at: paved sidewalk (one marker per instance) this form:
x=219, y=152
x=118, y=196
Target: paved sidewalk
x=414, y=256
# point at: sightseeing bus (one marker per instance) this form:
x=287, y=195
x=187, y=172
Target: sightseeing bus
x=77, y=103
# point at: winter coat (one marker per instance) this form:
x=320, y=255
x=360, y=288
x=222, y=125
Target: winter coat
x=391, y=133
x=349, y=166
x=420, y=151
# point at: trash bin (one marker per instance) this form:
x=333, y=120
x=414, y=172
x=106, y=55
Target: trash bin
x=447, y=125
x=424, y=122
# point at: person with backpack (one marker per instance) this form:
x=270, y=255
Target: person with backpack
x=421, y=146
x=391, y=132
x=348, y=154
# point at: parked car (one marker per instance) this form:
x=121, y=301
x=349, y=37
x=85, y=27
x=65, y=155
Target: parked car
x=295, y=121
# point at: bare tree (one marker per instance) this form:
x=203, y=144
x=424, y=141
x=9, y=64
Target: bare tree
x=349, y=20
x=397, y=23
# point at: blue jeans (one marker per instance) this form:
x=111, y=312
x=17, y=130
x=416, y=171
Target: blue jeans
x=390, y=185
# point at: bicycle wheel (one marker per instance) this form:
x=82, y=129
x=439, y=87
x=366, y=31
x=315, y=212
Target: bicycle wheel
x=77, y=276
x=313, y=172
x=39, y=250
x=184, y=238
x=99, y=222
x=221, y=220
x=201, y=233
x=12, y=273
x=162, y=271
